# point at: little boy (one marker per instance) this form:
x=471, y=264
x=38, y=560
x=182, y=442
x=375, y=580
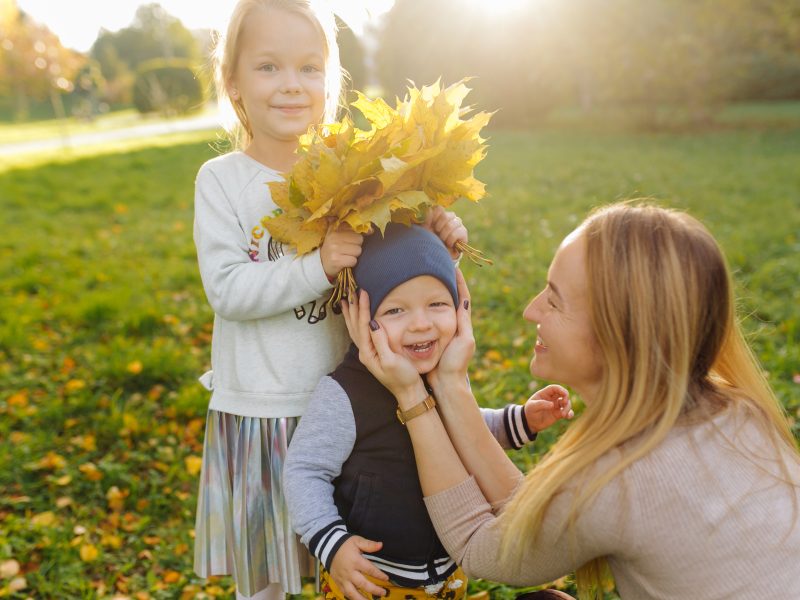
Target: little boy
x=350, y=476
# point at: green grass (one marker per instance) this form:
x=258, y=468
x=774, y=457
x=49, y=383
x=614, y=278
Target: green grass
x=104, y=325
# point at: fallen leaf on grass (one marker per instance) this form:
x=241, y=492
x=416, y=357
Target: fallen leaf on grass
x=50, y=461
x=73, y=385
x=90, y=471
x=171, y=576
x=112, y=541
x=190, y=592
x=116, y=498
x=15, y=585
x=193, y=464
x=89, y=553
x=9, y=568
x=18, y=437
x=45, y=519
x=134, y=367
x=18, y=400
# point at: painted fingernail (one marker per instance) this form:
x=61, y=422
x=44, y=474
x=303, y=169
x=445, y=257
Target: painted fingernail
x=466, y=304
x=374, y=325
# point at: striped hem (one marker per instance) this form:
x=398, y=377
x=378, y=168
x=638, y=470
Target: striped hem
x=327, y=542
x=516, y=426
x=414, y=574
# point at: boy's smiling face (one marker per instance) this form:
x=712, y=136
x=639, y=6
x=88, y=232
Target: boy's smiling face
x=419, y=318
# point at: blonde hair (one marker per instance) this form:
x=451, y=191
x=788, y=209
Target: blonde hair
x=227, y=48
x=663, y=315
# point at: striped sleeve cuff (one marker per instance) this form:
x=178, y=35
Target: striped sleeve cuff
x=516, y=425
x=327, y=541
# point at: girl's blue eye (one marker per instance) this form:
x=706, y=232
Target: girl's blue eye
x=269, y=68
x=392, y=311
x=311, y=69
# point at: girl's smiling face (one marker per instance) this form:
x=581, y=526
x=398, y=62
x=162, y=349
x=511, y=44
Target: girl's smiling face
x=280, y=75
x=566, y=349
x=419, y=318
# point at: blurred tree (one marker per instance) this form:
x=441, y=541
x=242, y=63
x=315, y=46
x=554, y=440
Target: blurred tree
x=34, y=66
x=153, y=34
x=660, y=60
x=168, y=86
x=510, y=53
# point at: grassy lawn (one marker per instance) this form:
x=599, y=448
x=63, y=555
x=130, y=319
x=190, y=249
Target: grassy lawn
x=105, y=328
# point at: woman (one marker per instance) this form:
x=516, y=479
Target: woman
x=681, y=475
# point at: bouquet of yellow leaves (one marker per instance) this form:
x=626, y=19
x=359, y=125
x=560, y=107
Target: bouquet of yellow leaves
x=420, y=154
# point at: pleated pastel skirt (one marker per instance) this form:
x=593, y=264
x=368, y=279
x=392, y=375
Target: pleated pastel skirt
x=243, y=527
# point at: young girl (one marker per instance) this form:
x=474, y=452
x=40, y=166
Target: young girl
x=273, y=337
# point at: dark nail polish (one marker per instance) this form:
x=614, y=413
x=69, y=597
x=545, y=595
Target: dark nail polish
x=466, y=304
x=374, y=325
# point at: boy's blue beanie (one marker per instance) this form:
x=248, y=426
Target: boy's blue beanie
x=402, y=253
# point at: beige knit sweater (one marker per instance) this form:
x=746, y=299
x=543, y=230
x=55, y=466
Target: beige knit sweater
x=699, y=518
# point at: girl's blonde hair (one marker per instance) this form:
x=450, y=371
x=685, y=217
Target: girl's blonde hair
x=663, y=314
x=227, y=48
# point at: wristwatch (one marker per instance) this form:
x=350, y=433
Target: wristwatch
x=406, y=415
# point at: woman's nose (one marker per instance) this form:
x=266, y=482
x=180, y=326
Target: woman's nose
x=531, y=312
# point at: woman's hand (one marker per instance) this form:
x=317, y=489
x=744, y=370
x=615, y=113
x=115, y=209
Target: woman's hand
x=456, y=357
x=393, y=370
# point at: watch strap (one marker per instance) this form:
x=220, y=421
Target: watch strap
x=427, y=404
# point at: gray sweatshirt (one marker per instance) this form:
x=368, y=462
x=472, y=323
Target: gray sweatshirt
x=273, y=337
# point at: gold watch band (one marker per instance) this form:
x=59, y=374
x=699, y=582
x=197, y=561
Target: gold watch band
x=406, y=415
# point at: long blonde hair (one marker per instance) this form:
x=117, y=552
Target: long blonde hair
x=226, y=54
x=663, y=314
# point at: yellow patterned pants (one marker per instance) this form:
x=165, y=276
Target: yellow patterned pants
x=453, y=588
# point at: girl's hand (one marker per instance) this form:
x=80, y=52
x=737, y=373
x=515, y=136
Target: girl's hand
x=349, y=568
x=393, y=370
x=456, y=357
x=547, y=406
x=448, y=226
x=340, y=248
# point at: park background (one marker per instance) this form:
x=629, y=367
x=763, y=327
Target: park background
x=103, y=322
